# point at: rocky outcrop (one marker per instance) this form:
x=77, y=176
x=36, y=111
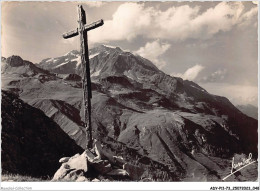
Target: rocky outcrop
x=90, y=165
x=72, y=168
x=15, y=61
x=16, y=65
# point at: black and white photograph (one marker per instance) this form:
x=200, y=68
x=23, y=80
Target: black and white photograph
x=129, y=91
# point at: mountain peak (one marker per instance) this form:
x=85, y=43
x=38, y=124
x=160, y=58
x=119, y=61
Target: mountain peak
x=112, y=47
x=104, y=60
x=15, y=64
x=72, y=53
x=15, y=61
x=108, y=46
x=105, y=48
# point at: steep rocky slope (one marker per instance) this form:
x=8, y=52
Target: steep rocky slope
x=32, y=143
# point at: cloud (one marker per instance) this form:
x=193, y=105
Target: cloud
x=216, y=76
x=127, y=22
x=246, y=18
x=94, y=3
x=153, y=50
x=191, y=73
x=176, y=23
x=237, y=94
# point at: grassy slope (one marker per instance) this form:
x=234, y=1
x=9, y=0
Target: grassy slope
x=20, y=178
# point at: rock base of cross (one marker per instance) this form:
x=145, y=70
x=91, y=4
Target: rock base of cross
x=96, y=165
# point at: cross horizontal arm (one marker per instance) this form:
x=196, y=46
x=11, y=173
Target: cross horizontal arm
x=86, y=27
x=71, y=34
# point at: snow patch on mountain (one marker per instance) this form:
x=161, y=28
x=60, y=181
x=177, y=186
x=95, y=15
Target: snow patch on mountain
x=109, y=46
x=197, y=88
x=72, y=53
x=50, y=60
x=77, y=59
x=129, y=74
x=93, y=55
x=61, y=64
x=96, y=73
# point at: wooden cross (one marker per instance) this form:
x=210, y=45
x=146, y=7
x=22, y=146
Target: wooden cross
x=86, y=82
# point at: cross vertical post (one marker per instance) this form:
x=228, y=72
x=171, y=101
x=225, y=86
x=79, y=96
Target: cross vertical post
x=86, y=83
x=86, y=80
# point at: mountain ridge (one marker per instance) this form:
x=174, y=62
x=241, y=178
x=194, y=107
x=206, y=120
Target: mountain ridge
x=167, y=119
x=249, y=110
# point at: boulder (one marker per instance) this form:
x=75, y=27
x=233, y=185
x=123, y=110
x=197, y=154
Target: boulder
x=118, y=172
x=64, y=159
x=75, y=168
x=61, y=172
x=102, y=154
x=71, y=169
x=99, y=151
x=95, y=180
x=90, y=156
x=133, y=171
x=74, y=175
x=78, y=162
x=82, y=179
x=119, y=161
x=101, y=166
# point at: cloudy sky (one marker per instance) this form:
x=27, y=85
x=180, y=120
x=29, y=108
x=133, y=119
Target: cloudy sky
x=211, y=43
